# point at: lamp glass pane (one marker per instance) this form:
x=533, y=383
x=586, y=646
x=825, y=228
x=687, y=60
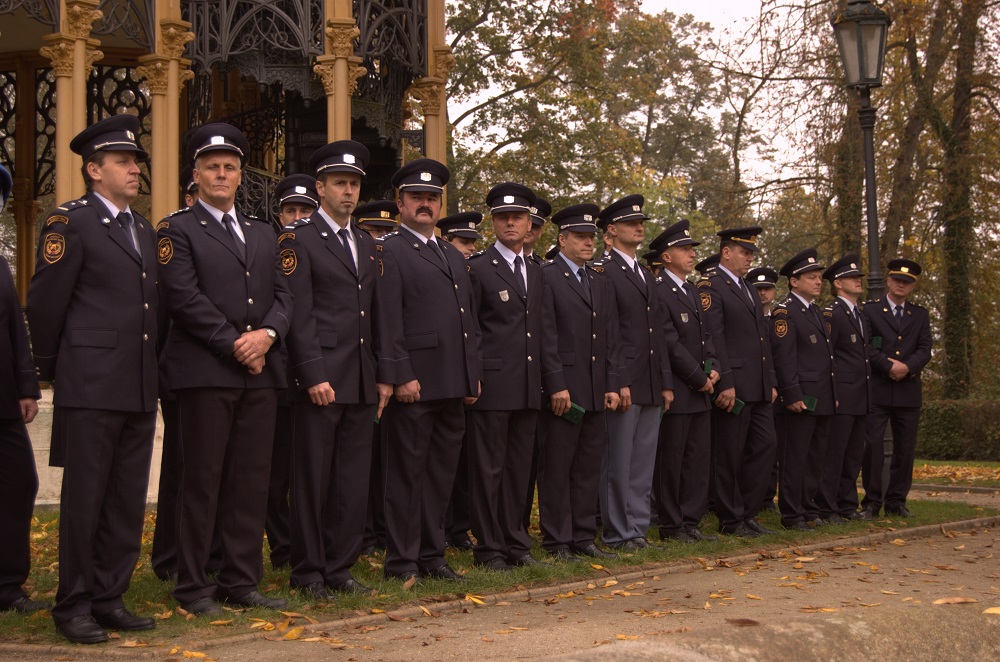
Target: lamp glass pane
x=871, y=40
x=847, y=39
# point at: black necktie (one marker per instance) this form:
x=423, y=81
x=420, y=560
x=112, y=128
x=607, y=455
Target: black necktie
x=342, y=233
x=899, y=316
x=815, y=311
x=519, y=278
x=638, y=272
x=128, y=225
x=746, y=291
x=690, y=292
x=584, y=282
x=230, y=224
x=857, y=321
x=440, y=253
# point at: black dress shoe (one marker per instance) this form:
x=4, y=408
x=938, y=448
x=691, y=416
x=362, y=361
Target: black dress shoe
x=525, y=560
x=798, y=526
x=496, y=564
x=836, y=519
x=26, y=605
x=350, y=585
x=859, y=515
x=643, y=543
x=869, y=512
x=563, y=554
x=257, y=599
x=898, y=511
x=461, y=543
x=594, y=552
x=369, y=550
x=754, y=525
x=627, y=546
x=123, y=619
x=816, y=522
x=404, y=576
x=83, y=630
x=740, y=530
x=677, y=536
x=203, y=607
x=696, y=535
x=443, y=571
x=314, y=591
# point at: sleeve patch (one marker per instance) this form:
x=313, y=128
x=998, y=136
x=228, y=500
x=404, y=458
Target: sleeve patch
x=57, y=218
x=704, y=283
x=54, y=248
x=286, y=235
x=288, y=261
x=164, y=250
x=779, y=311
x=780, y=328
x=706, y=300
x=828, y=313
x=162, y=225
x=381, y=269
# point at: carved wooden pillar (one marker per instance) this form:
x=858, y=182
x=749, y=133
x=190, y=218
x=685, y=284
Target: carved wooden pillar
x=339, y=70
x=80, y=15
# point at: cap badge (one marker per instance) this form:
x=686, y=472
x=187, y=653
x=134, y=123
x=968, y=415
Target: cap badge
x=508, y=199
x=687, y=233
x=534, y=210
x=588, y=218
x=761, y=277
x=853, y=266
x=217, y=140
x=349, y=158
x=130, y=135
x=811, y=260
x=301, y=189
x=385, y=214
x=472, y=226
x=905, y=270
x=636, y=208
x=425, y=176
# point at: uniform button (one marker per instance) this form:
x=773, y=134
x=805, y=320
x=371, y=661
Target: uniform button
x=650, y=352
x=250, y=301
x=465, y=335
x=595, y=313
x=456, y=286
x=362, y=313
x=594, y=336
x=461, y=310
x=897, y=352
x=763, y=359
x=359, y=286
x=651, y=330
x=529, y=359
x=145, y=336
x=899, y=337
x=249, y=328
x=647, y=309
x=529, y=334
x=145, y=306
x=362, y=341
x=593, y=358
x=143, y=274
x=248, y=274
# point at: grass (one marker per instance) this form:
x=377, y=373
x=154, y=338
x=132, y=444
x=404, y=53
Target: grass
x=149, y=596
x=942, y=472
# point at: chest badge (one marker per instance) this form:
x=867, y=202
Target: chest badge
x=684, y=317
x=812, y=339
x=504, y=296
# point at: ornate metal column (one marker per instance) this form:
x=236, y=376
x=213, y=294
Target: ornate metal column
x=80, y=15
x=339, y=70
x=60, y=51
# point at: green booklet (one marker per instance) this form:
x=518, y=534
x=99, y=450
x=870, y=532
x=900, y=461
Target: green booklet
x=737, y=407
x=708, y=366
x=810, y=402
x=574, y=414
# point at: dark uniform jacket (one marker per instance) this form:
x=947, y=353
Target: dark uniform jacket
x=214, y=296
x=687, y=346
x=803, y=356
x=17, y=373
x=330, y=339
x=639, y=330
x=849, y=340
x=519, y=342
x=740, y=337
x=587, y=336
x=427, y=328
x=910, y=343
x=92, y=309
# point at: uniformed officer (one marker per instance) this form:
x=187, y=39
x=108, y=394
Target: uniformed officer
x=540, y=211
x=743, y=442
x=838, y=497
x=633, y=429
x=459, y=230
x=92, y=308
x=764, y=281
x=587, y=384
x=803, y=362
x=653, y=262
x=377, y=218
x=518, y=344
x=706, y=267
x=899, y=348
x=230, y=306
x=683, y=459
x=297, y=199
x=331, y=271
x=427, y=345
x=19, y=395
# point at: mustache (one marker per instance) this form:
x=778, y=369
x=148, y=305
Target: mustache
x=425, y=210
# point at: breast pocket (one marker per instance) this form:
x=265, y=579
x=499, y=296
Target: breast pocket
x=94, y=338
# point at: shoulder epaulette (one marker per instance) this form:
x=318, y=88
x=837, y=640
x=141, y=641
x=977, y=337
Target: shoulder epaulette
x=477, y=254
x=599, y=268
x=179, y=211
x=73, y=205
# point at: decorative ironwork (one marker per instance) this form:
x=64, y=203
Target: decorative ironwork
x=45, y=132
x=393, y=30
x=134, y=18
x=115, y=90
x=45, y=12
x=256, y=197
x=8, y=99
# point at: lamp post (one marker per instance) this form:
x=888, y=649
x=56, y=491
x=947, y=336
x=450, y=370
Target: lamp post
x=861, y=30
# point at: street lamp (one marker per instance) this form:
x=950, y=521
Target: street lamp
x=861, y=30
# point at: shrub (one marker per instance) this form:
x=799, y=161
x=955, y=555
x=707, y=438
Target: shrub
x=959, y=430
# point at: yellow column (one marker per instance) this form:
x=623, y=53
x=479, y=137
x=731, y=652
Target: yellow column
x=80, y=15
x=59, y=50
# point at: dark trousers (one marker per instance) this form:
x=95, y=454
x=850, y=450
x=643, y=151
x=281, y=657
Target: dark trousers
x=226, y=438
x=743, y=447
x=421, y=442
x=101, y=508
x=680, y=483
x=276, y=521
x=499, y=447
x=375, y=516
x=458, y=518
x=904, y=421
x=163, y=556
x=844, y=452
x=18, y=487
x=331, y=463
x=569, y=472
x=529, y=499
x=802, y=439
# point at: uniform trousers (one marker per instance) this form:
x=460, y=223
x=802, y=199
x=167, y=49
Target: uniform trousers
x=743, y=448
x=904, y=421
x=844, y=453
x=529, y=499
x=569, y=472
x=499, y=447
x=163, y=556
x=331, y=464
x=375, y=517
x=102, y=506
x=421, y=442
x=802, y=440
x=458, y=518
x=18, y=487
x=627, y=472
x=277, y=520
x=226, y=438
x=680, y=482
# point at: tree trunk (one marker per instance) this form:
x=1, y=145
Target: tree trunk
x=849, y=183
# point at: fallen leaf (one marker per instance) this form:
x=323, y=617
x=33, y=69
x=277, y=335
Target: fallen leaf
x=488, y=639
x=609, y=583
x=221, y=622
x=992, y=610
x=754, y=597
x=132, y=643
x=476, y=599
x=899, y=542
x=294, y=633
x=626, y=637
x=956, y=600
x=596, y=567
x=194, y=655
x=890, y=592
x=408, y=584
x=742, y=622
x=944, y=567
x=375, y=610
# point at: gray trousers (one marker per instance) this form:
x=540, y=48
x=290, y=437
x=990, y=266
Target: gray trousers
x=627, y=472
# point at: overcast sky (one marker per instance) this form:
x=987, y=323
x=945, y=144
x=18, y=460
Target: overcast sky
x=720, y=13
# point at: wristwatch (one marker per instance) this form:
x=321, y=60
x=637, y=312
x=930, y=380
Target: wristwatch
x=271, y=333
